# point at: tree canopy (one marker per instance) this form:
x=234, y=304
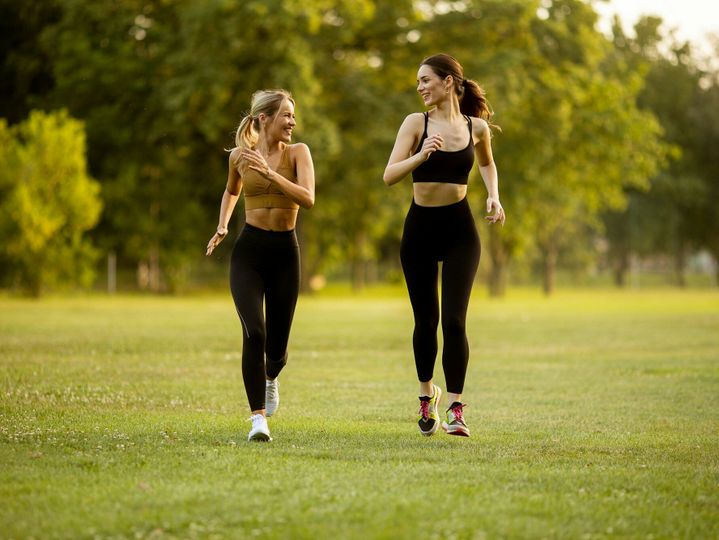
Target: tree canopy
x=596, y=131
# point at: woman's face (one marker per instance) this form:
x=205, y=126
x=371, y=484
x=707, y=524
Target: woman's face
x=430, y=87
x=280, y=126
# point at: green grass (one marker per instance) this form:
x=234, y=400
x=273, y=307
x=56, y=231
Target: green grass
x=593, y=415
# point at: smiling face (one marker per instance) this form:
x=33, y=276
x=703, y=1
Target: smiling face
x=430, y=87
x=280, y=126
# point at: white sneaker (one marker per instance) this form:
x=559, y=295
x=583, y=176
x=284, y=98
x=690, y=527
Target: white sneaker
x=272, y=396
x=259, y=431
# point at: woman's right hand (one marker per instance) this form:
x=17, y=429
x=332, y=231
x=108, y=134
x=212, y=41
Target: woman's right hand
x=215, y=240
x=430, y=145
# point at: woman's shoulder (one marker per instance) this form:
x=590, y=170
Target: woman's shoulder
x=480, y=123
x=479, y=126
x=298, y=148
x=298, y=151
x=415, y=117
x=413, y=121
x=235, y=155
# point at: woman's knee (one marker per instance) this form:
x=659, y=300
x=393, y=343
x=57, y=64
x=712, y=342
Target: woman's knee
x=453, y=325
x=426, y=324
x=254, y=334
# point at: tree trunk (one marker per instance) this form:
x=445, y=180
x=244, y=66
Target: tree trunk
x=31, y=283
x=679, y=265
x=371, y=272
x=143, y=275
x=111, y=272
x=358, y=264
x=498, y=269
x=621, y=267
x=154, y=268
x=549, y=269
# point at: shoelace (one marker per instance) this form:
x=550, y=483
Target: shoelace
x=424, y=409
x=458, y=413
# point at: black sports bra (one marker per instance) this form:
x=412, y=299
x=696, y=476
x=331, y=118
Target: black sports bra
x=445, y=167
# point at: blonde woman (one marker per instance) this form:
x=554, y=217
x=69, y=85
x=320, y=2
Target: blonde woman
x=277, y=178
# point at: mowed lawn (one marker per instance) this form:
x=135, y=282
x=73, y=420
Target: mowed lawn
x=593, y=415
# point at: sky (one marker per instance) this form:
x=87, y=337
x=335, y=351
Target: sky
x=693, y=19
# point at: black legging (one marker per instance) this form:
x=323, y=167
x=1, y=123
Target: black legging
x=433, y=234
x=265, y=265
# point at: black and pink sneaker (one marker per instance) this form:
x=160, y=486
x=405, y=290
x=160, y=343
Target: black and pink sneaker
x=455, y=424
x=428, y=420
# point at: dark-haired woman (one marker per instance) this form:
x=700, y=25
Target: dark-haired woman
x=277, y=178
x=439, y=147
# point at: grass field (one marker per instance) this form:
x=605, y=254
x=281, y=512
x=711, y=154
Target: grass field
x=593, y=415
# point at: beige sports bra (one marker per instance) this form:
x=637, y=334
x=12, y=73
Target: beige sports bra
x=261, y=193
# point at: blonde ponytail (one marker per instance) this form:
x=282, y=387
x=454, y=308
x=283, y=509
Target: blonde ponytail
x=247, y=133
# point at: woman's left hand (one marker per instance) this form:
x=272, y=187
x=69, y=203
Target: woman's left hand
x=256, y=161
x=218, y=237
x=493, y=205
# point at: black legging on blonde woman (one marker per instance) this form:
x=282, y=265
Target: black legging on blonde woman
x=265, y=266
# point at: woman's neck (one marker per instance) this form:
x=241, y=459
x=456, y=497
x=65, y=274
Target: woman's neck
x=447, y=110
x=268, y=146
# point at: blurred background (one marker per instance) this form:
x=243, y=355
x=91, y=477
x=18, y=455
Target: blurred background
x=116, y=117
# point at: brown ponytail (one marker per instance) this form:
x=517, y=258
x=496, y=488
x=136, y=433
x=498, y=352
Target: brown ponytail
x=472, y=101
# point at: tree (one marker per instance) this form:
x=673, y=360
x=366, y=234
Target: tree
x=367, y=76
x=705, y=220
x=674, y=216
x=565, y=145
x=25, y=69
x=47, y=203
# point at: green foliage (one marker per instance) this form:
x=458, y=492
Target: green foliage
x=47, y=202
x=569, y=114
x=25, y=69
x=162, y=85
x=678, y=212
x=365, y=80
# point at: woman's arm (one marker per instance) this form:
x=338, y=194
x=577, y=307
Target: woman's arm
x=401, y=161
x=488, y=169
x=303, y=192
x=227, y=206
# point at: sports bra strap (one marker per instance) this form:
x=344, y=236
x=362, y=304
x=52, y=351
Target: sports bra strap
x=467, y=118
x=284, y=158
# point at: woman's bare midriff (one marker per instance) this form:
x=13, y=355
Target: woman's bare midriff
x=272, y=219
x=438, y=193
